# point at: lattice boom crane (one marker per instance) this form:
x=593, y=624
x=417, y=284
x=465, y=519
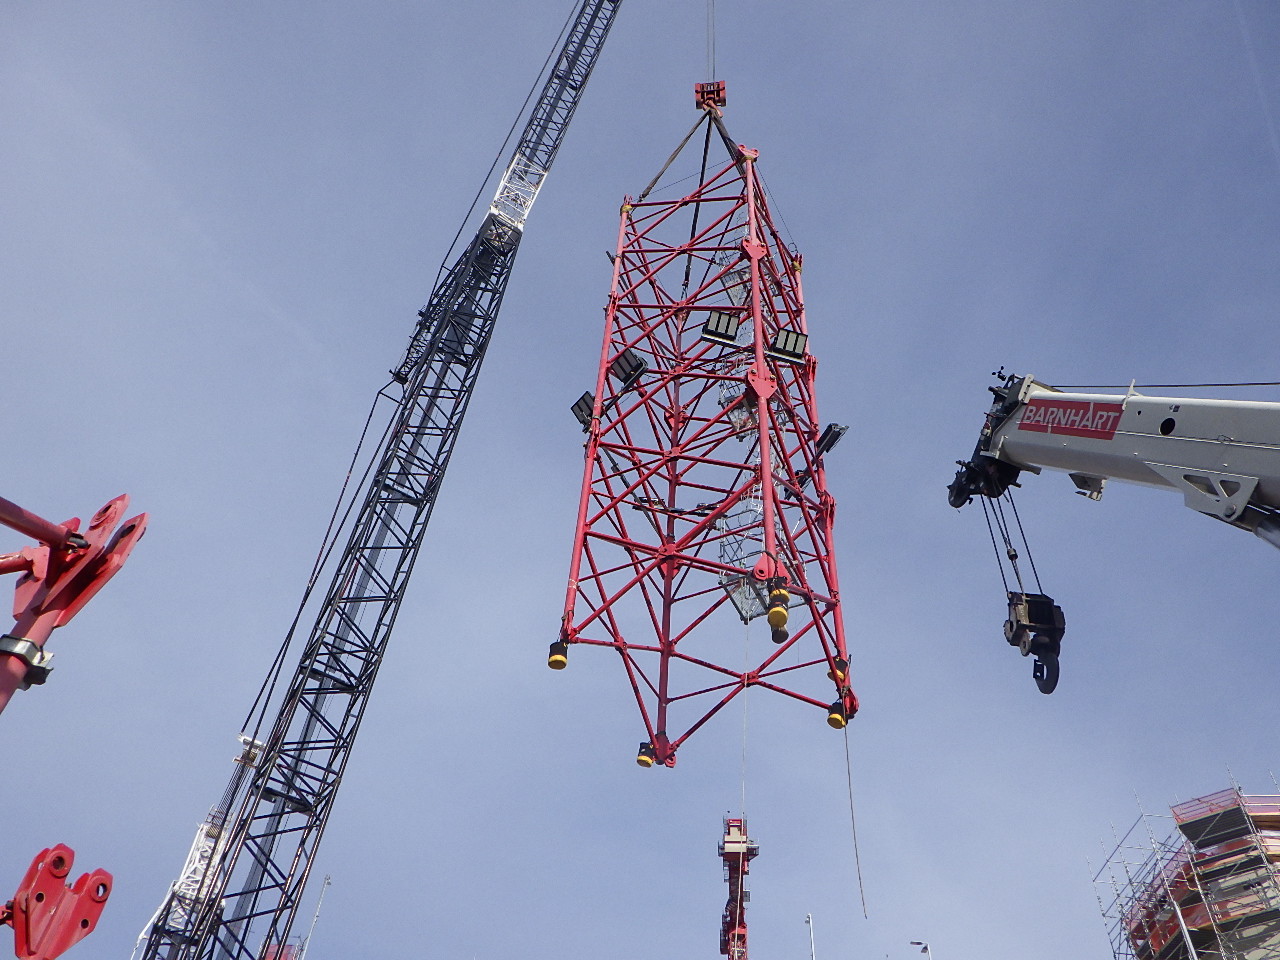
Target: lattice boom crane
x=251, y=857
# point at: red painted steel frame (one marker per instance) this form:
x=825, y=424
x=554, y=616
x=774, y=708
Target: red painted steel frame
x=687, y=518
x=59, y=576
x=737, y=850
x=49, y=916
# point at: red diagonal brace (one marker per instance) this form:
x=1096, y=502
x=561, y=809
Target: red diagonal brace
x=49, y=917
x=58, y=578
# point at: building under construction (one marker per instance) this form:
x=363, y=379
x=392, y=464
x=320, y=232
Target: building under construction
x=1207, y=890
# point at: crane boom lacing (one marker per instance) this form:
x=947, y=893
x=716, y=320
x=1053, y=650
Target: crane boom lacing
x=256, y=866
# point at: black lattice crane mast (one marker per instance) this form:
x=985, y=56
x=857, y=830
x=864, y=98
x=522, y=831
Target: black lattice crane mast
x=242, y=883
x=737, y=850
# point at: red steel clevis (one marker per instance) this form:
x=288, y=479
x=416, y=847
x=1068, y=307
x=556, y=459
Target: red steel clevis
x=58, y=577
x=48, y=917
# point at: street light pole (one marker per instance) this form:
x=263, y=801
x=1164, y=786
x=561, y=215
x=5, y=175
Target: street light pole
x=924, y=948
x=808, y=919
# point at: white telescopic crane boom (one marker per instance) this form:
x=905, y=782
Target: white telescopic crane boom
x=1223, y=456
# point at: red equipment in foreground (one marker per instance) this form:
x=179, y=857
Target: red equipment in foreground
x=737, y=850
x=705, y=494
x=48, y=917
x=59, y=577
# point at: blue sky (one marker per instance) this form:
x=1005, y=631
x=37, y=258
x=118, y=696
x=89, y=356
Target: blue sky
x=219, y=224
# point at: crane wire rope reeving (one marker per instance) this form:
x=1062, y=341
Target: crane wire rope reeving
x=996, y=519
x=502, y=150
x=986, y=513
x=257, y=711
x=328, y=544
x=1014, y=554
x=330, y=541
x=1023, y=535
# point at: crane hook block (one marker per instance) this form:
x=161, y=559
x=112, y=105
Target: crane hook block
x=1035, y=626
x=48, y=916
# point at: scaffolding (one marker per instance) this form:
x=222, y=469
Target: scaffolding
x=1208, y=890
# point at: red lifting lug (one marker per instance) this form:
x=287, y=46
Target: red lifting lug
x=761, y=384
x=49, y=917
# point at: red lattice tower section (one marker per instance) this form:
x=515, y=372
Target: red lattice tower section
x=737, y=850
x=704, y=499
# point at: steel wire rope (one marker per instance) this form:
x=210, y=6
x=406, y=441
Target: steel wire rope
x=328, y=544
x=537, y=83
x=986, y=512
x=711, y=39
x=693, y=223
x=713, y=260
x=1163, y=386
x=331, y=536
x=672, y=159
x=266, y=691
x=674, y=183
x=1025, y=544
x=1010, y=549
x=853, y=825
x=791, y=240
x=332, y=533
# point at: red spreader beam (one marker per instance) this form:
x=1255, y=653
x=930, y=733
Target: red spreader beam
x=704, y=499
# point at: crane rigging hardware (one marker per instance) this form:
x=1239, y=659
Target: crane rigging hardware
x=50, y=916
x=1223, y=456
x=56, y=579
x=704, y=493
x=241, y=886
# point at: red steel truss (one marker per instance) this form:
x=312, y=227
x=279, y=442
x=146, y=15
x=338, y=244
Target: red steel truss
x=704, y=498
x=737, y=850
